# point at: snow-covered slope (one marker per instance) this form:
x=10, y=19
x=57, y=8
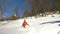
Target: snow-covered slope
x=40, y=25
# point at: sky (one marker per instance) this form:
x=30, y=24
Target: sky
x=8, y=6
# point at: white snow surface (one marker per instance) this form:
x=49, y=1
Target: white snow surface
x=36, y=26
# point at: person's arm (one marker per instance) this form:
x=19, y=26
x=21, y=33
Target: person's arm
x=27, y=24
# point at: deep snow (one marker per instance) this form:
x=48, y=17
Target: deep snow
x=40, y=25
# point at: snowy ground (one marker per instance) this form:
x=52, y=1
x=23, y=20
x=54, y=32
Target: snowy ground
x=40, y=25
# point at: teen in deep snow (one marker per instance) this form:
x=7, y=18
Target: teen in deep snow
x=25, y=24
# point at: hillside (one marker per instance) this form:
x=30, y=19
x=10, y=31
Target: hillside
x=39, y=25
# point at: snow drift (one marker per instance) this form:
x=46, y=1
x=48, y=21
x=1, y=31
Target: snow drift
x=39, y=25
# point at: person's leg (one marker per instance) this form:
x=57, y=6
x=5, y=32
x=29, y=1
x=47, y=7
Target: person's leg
x=24, y=26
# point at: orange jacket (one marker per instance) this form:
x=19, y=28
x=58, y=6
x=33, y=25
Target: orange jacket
x=25, y=24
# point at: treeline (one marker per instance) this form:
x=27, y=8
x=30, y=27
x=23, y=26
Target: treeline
x=35, y=7
x=4, y=10
x=43, y=6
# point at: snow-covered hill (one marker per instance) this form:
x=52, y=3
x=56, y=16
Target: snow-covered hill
x=39, y=25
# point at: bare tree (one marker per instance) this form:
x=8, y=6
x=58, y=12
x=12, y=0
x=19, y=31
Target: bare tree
x=15, y=14
x=3, y=10
x=38, y=6
x=26, y=12
x=56, y=5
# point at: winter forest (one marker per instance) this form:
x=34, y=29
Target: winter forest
x=29, y=16
x=30, y=8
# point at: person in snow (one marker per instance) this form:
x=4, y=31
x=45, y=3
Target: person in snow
x=25, y=24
